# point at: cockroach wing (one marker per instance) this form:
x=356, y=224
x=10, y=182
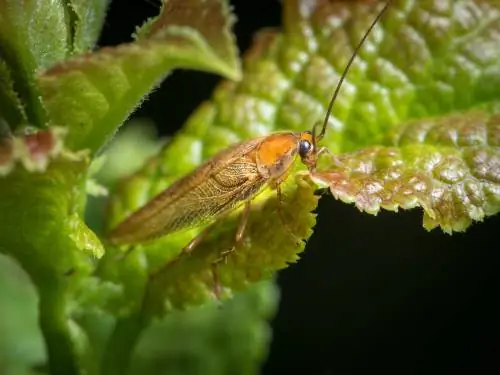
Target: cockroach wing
x=217, y=186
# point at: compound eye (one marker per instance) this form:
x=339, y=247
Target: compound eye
x=304, y=148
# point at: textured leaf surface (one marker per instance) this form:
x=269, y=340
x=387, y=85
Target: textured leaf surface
x=35, y=32
x=94, y=93
x=33, y=36
x=424, y=59
x=48, y=213
x=450, y=166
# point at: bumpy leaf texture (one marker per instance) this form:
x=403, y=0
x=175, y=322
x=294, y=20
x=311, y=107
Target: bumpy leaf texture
x=449, y=166
x=424, y=60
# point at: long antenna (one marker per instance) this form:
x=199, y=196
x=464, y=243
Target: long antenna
x=346, y=70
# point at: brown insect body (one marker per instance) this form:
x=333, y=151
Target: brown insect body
x=230, y=178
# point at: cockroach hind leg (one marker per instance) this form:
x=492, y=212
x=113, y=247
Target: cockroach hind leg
x=239, y=234
x=224, y=254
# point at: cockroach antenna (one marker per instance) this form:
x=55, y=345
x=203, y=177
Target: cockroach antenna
x=344, y=74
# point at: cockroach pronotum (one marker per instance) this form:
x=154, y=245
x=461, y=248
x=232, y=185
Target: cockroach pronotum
x=228, y=180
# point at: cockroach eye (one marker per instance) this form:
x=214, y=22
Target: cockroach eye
x=304, y=148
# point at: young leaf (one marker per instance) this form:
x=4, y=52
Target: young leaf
x=93, y=94
x=449, y=166
x=33, y=36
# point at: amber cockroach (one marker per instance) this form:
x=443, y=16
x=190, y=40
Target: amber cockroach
x=230, y=179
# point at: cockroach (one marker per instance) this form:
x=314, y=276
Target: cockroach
x=230, y=179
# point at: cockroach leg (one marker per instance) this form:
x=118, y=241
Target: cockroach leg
x=224, y=254
x=324, y=150
x=281, y=214
x=239, y=233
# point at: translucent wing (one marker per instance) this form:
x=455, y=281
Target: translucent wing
x=217, y=186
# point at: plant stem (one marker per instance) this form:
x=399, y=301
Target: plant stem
x=121, y=345
x=55, y=328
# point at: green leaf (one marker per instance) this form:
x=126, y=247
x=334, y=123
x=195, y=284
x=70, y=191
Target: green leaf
x=422, y=59
x=21, y=344
x=231, y=339
x=210, y=340
x=33, y=37
x=35, y=32
x=449, y=166
x=93, y=94
x=52, y=209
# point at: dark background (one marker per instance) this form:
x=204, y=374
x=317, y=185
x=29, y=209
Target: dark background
x=371, y=293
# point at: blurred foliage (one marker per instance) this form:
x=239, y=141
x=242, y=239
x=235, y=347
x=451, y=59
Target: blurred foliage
x=21, y=342
x=415, y=125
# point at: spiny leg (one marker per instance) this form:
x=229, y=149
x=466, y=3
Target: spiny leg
x=239, y=233
x=237, y=241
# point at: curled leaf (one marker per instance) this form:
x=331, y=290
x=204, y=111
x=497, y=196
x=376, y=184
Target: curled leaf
x=94, y=93
x=449, y=166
